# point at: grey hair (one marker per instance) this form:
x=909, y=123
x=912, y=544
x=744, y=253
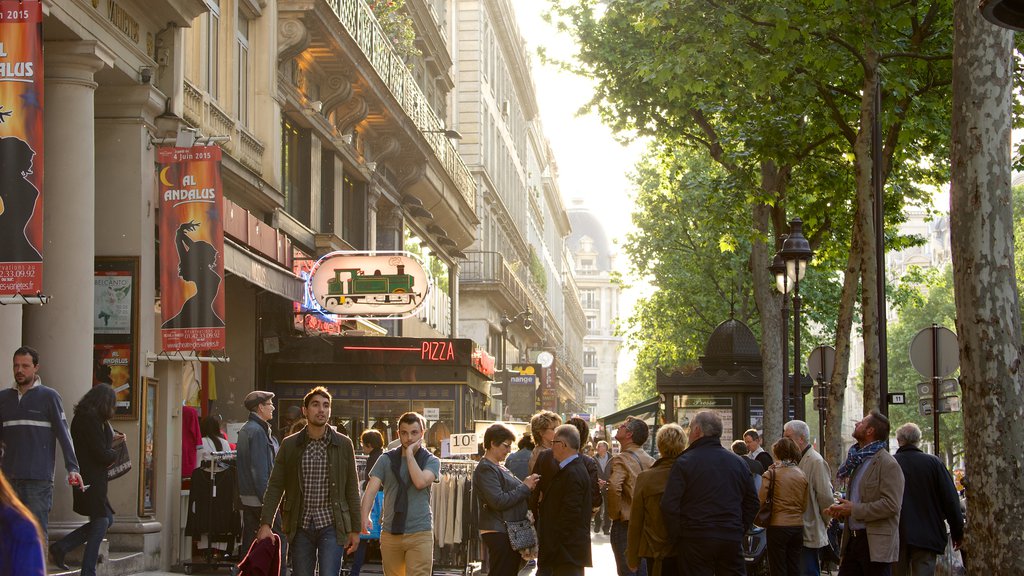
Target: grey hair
x=568, y=434
x=800, y=428
x=710, y=424
x=909, y=433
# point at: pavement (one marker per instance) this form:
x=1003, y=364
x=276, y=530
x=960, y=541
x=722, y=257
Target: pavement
x=603, y=560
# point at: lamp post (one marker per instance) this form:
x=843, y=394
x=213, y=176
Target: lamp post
x=778, y=270
x=796, y=252
x=526, y=316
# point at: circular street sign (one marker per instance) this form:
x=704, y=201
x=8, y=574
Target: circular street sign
x=545, y=359
x=821, y=361
x=942, y=346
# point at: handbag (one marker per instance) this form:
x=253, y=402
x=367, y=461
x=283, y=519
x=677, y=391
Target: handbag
x=122, y=461
x=521, y=533
x=764, y=513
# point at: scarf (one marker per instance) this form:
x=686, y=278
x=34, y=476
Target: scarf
x=856, y=456
x=401, y=510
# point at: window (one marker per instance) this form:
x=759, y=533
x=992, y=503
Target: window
x=590, y=382
x=588, y=297
x=212, y=49
x=242, y=70
x=353, y=212
x=327, y=191
x=295, y=166
x=589, y=358
x=592, y=325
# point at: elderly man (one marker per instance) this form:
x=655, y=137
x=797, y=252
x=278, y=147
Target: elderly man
x=929, y=502
x=709, y=502
x=819, y=496
x=257, y=448
x=563, y=529
x=871, y=509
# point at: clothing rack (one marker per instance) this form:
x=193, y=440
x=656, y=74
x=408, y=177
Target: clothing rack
x=458, y=549
x=216, y=463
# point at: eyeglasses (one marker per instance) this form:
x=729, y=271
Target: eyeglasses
x=507, y=445
x=553, y=442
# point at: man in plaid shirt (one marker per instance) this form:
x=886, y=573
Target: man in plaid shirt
x=315, y=475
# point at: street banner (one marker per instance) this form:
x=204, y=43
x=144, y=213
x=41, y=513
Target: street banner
x=21, y=147
x=191, y=249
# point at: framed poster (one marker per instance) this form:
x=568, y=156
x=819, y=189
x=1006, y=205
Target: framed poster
x=115, y=330
x=147, y=445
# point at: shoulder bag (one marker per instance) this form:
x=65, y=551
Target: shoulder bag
x=764, y=513
x=122, y=462
x=521, y=533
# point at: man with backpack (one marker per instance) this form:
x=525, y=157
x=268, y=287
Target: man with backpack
x=630, y=461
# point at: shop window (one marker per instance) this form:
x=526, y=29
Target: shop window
x=242, y=71
x=295, y=165
x=441, y=428
x=384, y=415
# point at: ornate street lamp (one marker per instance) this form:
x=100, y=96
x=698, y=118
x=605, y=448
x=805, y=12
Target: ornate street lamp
x=796, y=252
x=526, y=319
x=778, y=270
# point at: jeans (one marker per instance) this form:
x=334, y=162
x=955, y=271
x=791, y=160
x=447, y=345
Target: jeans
x=809, y=565
x=785, y=545
x=710, y=556
x=620, y=534
x=502, y=559
x=602, y=523
x=251, y=524
x=37, y=496
x=857, y=559
x=311, y=547
x=91, y=534
x=359, y=557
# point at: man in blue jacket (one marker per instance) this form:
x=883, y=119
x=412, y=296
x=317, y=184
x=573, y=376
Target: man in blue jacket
x=709, y=502
x=929, y=501
x=31, y=422
x=257, y=448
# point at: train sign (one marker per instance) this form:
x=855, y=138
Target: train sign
x=359, y=284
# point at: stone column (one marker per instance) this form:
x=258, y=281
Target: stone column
x=373, y=196
x=10, y=338
x=62, y=329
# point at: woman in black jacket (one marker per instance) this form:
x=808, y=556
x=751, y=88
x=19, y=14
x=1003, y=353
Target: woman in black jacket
x=94, y=445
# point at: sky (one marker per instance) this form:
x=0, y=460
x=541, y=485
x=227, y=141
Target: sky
x=592, y=165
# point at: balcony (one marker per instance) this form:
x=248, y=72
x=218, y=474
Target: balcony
x=489, y=271
x=365, y=31
x=202, y=112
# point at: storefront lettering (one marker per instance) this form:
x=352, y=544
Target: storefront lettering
x=437, y=351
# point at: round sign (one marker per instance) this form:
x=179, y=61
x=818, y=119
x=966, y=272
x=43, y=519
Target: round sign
x=545, y=359
x=820, y=363
x=934, y=349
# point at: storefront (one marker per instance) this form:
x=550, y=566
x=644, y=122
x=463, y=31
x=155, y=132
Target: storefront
x=374, y=380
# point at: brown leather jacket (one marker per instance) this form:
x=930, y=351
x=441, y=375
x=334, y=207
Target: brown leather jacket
x=625, y=466
x=647, y=536
x=790, y=494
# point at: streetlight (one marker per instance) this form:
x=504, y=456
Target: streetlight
x=526, y=316
x=796, y=252
x=778, y=269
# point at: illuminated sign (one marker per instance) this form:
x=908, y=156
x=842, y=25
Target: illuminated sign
x=360, y=285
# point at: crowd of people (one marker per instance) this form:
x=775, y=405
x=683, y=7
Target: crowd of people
x=687, y=512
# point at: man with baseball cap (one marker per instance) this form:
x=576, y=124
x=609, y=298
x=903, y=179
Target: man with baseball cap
x=257, y=448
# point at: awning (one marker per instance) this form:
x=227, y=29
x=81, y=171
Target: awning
x=646, y=411
x=261, y=272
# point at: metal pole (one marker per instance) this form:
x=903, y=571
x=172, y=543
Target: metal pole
x=876, y=183
x=785, y=356
x=796, y=391
x=935, y=385
x=821, y=410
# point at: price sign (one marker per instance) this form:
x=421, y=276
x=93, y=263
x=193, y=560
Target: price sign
x=463, y=443
x=432, y=414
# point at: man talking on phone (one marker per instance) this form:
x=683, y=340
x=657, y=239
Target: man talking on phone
x=407, y=537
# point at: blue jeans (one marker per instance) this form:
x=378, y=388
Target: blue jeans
x=91, y=534
x=620, y=533
x=313, y=546
x=37, y=496
x=809, y=562
x=359, y=557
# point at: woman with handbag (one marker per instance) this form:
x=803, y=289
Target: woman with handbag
x=504, y=526
x=95, y=443
x=784, y=493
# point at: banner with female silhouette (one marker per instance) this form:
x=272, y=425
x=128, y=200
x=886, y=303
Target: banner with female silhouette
x=191, y=249
x=21, y=148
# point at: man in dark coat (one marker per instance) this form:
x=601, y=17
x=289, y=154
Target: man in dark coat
x=563, y=529
x=709, y=502
x=929, y=499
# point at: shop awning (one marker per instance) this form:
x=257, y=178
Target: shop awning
x=261, y=272
x=646, y=411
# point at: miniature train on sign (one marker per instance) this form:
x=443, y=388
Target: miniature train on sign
x=373, y=288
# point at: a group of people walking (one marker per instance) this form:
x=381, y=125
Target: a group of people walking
x=685, y=513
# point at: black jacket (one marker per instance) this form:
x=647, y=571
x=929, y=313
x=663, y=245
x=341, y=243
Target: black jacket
x=563, y=529
x=929, y=498
x=710, y=494
x=93, y=440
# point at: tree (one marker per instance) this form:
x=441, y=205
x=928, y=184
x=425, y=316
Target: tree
x=987, y=302
x=779, y=94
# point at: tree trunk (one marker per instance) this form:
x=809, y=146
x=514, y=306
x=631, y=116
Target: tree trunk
x=988, y=320
x=866, y=239
x=768, y=304
x=840, y=373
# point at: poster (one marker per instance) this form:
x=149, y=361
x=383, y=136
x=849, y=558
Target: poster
x=112, y=302
x=112, y=364
x=191, y=249
x=21, y=148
